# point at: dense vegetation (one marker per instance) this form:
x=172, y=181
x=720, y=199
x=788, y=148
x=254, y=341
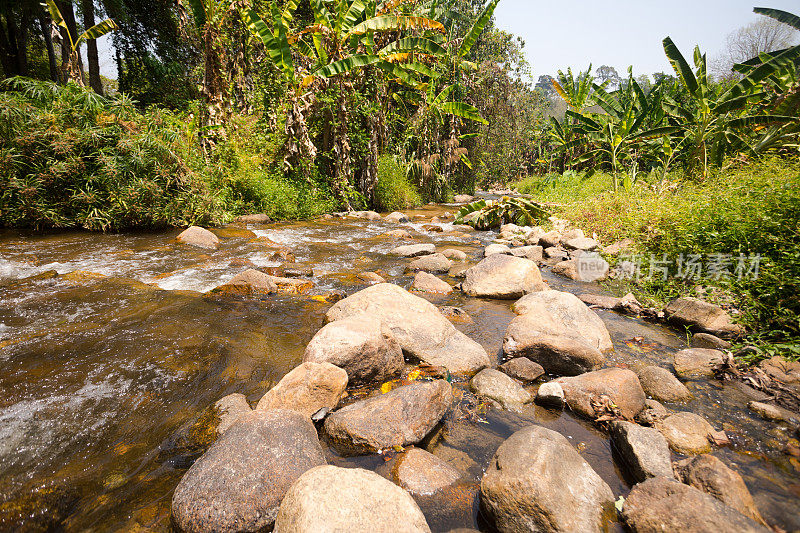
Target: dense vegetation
x=299, y=107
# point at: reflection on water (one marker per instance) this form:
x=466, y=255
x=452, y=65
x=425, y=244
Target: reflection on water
x=106, y=380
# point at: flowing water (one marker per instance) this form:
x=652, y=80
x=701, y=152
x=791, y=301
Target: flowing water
x=111, y=354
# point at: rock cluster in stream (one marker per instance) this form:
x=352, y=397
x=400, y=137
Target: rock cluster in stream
x=268, y=470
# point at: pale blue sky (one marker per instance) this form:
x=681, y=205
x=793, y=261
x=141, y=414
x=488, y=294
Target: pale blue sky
x=572, y=33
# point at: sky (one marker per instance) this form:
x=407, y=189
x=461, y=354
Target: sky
x=572, y=33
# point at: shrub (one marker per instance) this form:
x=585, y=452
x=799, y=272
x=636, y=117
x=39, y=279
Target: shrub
x=393, y=190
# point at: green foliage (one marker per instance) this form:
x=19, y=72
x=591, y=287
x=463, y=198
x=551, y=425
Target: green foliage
x=393, y=191
x=486, y=214
x=750, y=209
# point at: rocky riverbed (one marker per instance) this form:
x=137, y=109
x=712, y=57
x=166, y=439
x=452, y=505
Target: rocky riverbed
x=368, y=372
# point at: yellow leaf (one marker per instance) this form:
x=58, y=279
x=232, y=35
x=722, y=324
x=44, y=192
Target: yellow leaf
x=319, y=298
x=414, y=375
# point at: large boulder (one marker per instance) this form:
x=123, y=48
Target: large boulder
x=702, y=316
x=538, y=482
x=437, y=263
x=362, y=345
x=413, y=250
x=397, y=217
x=454, y=255
x=590, y=393
x=660, y=384
x=687, y=433
x=710, y=475
x=534, y=253
x=523, y=369
x=463, y=198
x=697, y=362
x=662, y=504
x=229, y=409
x=419, y=472
x=497, y=386
x=422, y=331
x=239, y=483
x=200, y=237
x=558, y=331
x=425, y=282
x=581, y=243
x=258, y=218
x=586, y=267
x=330, y=499
x=496, y=249
x=503, y=276
x=400, y=417
x=307, y=389
x=644, y=450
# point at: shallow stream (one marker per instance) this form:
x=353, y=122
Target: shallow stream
x=111, y=354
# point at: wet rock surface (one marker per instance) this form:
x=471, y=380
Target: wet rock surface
x=660, y=384
x=330, y=499
x=307, y=389
x=589, y=394
x=400, y=417
x=419, y=472
x=697, y=362
x=523, y=369
x=687, y=433
x=362, y=345
x=413, y=250
x=499, y=387
x=199, y=237
x=663, y=504
x=239, y=483
x=435, y=263
x=644, y=451
x=503, y=276
x=229, y=409
x=537, y=480
x=422, y=331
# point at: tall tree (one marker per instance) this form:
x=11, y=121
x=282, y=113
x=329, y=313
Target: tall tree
x=92, y=57
x=609, y=75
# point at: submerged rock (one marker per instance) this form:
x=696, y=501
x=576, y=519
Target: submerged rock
x=422, y=331
x=503, y=276
x=497, y=386
x=687, y=433
x=773, y=412
x=229, y=409
x=362, y=345
x=660, y=384
x=662, y=504
x=538, y=482
x=419, y=472
x=523, y=369
x=586, y=393
x=644, y=450
x=413, y=250
x=558, y=331
x=330, y=499
x=307, y=389
x=436, y=263
x=425, y=282
x=710, y=475
x=400, y=417
x=200, y=237
x=697, y=362
x=702, y=316
x=239, y=483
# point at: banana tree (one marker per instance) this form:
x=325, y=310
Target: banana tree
x=712, y=121
x=488, y=214
x=72, y=69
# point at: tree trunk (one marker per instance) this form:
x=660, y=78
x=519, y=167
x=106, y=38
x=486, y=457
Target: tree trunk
x=92, y=57
x=341, y=151
x=44, y=22
x=22, y=42
x=71, y=62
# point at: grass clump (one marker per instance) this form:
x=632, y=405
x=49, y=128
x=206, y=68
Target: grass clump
x=749, y=209
x=393, y=190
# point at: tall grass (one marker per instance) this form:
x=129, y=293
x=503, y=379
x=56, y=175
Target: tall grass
x=393, y=190
x=748, y=209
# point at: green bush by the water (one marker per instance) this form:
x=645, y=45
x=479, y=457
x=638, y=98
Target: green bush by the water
x=393, y=191
x=750, y=209
x=71, y=158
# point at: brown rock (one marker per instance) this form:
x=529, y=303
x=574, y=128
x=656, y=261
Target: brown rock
x=437, y=263
x=239, y=483
x=260, y=218
x=371, y=277
x=660, y=384
x=661, y=504
x=523, y=369
x=307, y=389
x=200, y=237
x=687, y=433
x=413, y=250
x=619, y=385
x=503, y=276
x=773, y=412
x=643, y=450
x=251, y=282
x=425, y=282
x=229, y=409
x=706, y=340
x=454, y=255
x=497, y=386
x=419, y=472
x=400, y=417
x=697, y=362
x=710, y=475
x=702, y=316
x=785, y=371
x=652, y=413
x=397, y=217
x=361, y=345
